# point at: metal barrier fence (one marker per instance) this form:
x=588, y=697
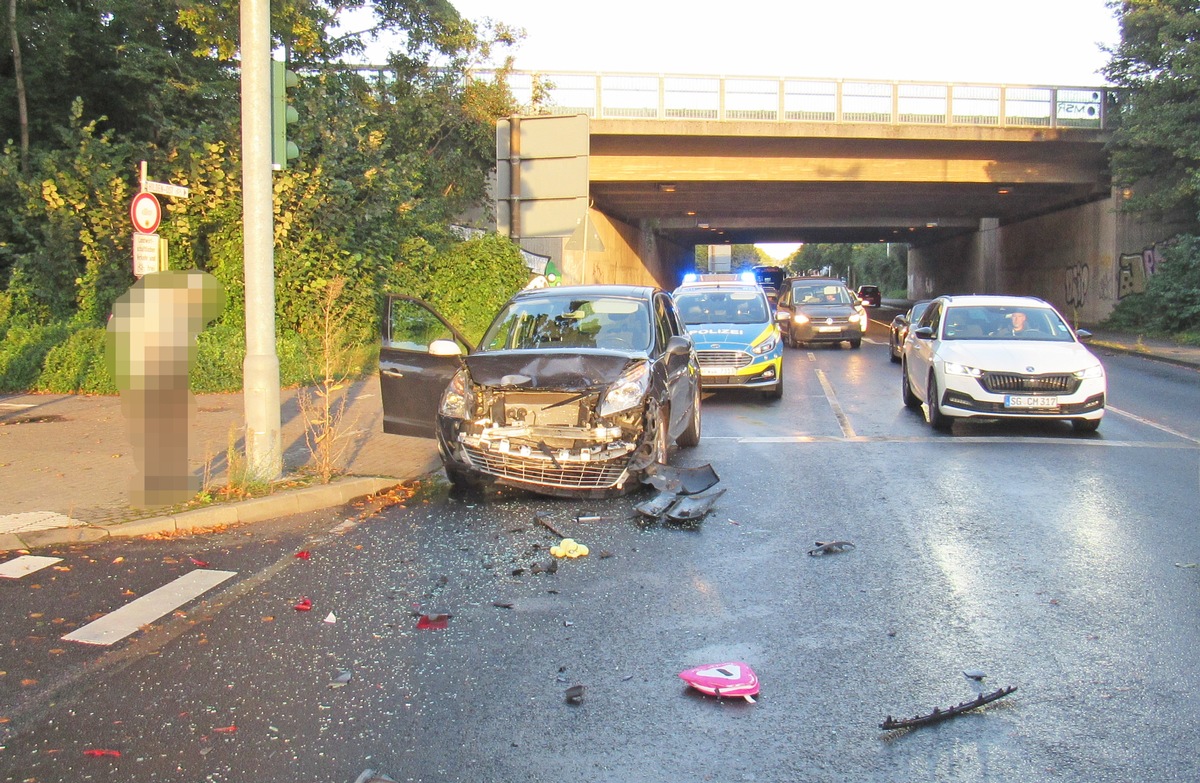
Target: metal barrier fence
x=746, y=98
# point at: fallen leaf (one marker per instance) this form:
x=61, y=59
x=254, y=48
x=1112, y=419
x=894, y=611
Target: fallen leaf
x=28, y=681
x=35, y=615
x=127, y=591
x=118, y=560
x=57, y=651
x=62, y=568
x=269, y=619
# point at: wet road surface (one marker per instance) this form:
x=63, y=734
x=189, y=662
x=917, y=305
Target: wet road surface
x=1054, y=562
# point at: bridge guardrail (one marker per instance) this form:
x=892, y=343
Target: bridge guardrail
x=787, y=99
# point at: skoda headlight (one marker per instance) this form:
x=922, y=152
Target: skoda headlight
x=628, y=390
x=954, y=368
x=456, y=399
x=1095, y=371
x=767, y=345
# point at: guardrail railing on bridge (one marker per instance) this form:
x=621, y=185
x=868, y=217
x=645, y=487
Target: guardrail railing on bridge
x=747, y=98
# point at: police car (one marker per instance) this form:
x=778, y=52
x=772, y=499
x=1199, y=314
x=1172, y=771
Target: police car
x=737, y=342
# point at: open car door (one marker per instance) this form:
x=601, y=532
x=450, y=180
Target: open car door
x=411, y=376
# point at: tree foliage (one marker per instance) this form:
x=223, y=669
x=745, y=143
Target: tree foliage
x=1157, y=138
x=390, y=158
x=881, y=264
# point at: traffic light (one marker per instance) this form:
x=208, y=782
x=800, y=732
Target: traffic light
x=283, y=114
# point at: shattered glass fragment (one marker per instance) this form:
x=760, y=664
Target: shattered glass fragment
x=433, y=622
x=830, y=548
x=341, y=678
x=372, y=776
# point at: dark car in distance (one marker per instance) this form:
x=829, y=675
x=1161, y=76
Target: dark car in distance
x=819, y=310
x=901, y=324
x=573, y=391
x=870, y=295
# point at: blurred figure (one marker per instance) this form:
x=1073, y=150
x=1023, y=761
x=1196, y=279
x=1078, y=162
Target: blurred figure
x=151, y=346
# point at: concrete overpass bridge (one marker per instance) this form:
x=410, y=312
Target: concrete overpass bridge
x=995, y=188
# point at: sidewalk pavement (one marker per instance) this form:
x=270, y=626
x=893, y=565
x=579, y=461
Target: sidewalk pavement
x=66, y=461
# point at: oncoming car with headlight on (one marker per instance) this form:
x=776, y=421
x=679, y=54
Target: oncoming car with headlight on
x=737, y=342
x=573, y=391
x=1000, y=357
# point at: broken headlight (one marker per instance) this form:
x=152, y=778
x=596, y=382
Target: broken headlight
x=627, y=391
x=457, y=399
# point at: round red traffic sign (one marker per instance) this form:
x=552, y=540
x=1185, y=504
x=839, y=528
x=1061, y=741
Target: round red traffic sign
x=146, y=212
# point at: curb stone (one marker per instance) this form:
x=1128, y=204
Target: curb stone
x=273, y=506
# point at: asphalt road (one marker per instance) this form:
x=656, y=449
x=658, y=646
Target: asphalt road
x=1058, y=563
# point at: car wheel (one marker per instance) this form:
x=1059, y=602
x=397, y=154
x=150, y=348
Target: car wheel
x=691, y=436
x=906, y=393
x=856, y=344
x=937, y=419
x=1085, y=425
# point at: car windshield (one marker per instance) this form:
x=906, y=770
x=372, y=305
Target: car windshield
x=570, y=322
x=722, y=307
x=1004, y=322
x=820, y=294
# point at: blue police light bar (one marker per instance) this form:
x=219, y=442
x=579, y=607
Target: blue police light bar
x=749, y=277
x=690, y=277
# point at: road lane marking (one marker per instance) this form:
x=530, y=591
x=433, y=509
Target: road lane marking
x=26, y=565
x=1155, y=425
x=843, y=420
x=118, y=624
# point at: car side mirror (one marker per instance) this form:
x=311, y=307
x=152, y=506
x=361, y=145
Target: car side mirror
x=924, y=332
x=679, y=345
x=1083, y=334
x=782, y=315
x=444, y=348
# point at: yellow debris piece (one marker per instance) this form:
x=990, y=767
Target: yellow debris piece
x=569, y=548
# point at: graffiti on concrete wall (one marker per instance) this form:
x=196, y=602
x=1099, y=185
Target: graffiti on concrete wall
x=1075, y=285
x=1134, y=268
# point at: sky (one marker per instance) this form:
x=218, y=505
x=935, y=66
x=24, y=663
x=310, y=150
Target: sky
x=1044, y=42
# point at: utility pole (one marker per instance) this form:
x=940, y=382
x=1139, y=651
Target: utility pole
x=264, y=454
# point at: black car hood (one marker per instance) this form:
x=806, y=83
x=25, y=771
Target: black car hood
x=575, y=370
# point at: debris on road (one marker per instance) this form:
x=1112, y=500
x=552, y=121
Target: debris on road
x=543, y=519
x=544, y=568
x=831, y=548
x=1185, y=565
x=502, y=604
x=371, y=776
x=680, y=481
x=693, y=507
x=97, y=752
x=304, y=605
x=974, y=674
x=890, y=723
x=430, y=622
x=303, y=554
x=569, y=548
x=330, y=618
x=341, y=678
x=198, y=563
x=574, y=694
x=723, y=680
x=656, y=506
x=585, y=518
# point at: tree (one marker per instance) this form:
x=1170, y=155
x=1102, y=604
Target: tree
x=1157, y=138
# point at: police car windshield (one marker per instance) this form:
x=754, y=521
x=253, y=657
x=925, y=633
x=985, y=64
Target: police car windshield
x=722, y=307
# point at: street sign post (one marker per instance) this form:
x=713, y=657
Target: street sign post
x=165, y=189
x=145, y=212
x=145, y=254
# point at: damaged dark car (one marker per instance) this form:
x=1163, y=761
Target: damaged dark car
x=573, y=391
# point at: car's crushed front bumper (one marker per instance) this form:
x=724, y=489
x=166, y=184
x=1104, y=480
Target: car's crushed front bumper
x=549, y=442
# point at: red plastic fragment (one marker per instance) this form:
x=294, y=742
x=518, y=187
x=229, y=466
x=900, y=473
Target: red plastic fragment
x=97, y=752
x=433, y=622
x=199, y=563
x=305, y=605
x=303, y=554
x=226, y=729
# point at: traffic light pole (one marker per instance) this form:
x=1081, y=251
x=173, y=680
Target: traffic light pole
x=264, y=456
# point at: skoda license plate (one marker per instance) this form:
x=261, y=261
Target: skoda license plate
x=1016, y=401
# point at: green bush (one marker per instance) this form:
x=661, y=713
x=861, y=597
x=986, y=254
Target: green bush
x=1171, y=302
x=24, y=351
x=77, y=366
x=221, y=349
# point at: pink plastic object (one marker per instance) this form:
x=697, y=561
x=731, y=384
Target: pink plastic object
x=723, y=680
